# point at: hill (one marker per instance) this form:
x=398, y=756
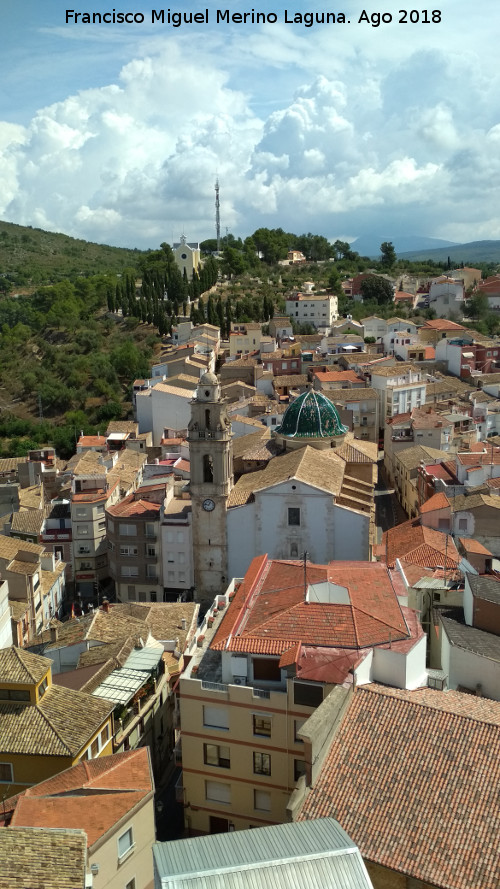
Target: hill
x=370, y=246
x=473, y=252
x=30, y=256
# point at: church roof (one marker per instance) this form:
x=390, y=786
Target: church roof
x=311, y=415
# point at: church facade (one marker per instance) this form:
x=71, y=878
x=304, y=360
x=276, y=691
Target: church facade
x=314, y=497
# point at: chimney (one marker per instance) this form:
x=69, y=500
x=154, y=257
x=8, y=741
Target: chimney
x=183, y=623
x=105, y=605
x=54, y=633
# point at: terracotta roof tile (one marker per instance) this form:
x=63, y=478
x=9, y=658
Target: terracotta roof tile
x=68, y=799
x=413, y=777
x=416, y=543
x=270, y=613
x=437, y=501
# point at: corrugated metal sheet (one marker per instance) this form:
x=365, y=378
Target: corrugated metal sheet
x=121, y=685
x=311, y=854
x=144, y=658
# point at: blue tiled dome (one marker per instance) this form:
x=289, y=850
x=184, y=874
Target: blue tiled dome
x=311, y=415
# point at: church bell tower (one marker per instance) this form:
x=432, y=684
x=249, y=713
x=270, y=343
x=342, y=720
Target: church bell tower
x=211, y=457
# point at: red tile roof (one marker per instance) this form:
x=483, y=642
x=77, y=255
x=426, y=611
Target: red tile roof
x=473, y=546
x=437, y=501
x=423, y=546
x=88, y=441
x=68, y=799
x=413, y=777
x=333, y=376
x=131, y=507
x=442, y=324
x=270, y=613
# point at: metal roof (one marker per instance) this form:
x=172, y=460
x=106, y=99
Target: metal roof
x=146, y=658
x=312, y=854
x=432, y=583
x=121, y=685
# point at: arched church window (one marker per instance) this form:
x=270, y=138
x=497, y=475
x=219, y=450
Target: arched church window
x=207, y=418
x=208, y=468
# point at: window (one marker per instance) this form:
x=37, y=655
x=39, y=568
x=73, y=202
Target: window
x=129, y=571
x=266, y=669
x=262, y=725
x=6, y=773
x=14, y=695
x=297, y=725
x=216, y=755
x=125, y=843
x=42, y=688
x=294, y=516
x=208, y=469
x=462, y=524
x=150, y=550
x=215, y=717
x=105, y=735
x=94, y=750
x=128, y=550
x=261, y=764
x=150, y=529
x=307, y=694
x=131, y=884
x=217, y=792
x=262, y=800
x=128, y=530
x=299, y=768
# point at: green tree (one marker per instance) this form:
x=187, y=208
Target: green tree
x=387, y=254
x=376, y=289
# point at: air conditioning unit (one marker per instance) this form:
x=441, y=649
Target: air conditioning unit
x=239, y=680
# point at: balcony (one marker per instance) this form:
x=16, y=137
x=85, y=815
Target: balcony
x=402, y=436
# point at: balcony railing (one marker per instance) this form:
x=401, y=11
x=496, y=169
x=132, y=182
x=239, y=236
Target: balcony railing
x=214, y=686
x=261, y=693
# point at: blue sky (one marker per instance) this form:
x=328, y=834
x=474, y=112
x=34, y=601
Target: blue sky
x=115, y=133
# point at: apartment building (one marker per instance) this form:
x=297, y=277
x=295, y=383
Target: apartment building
x=90, y=495
x=259, y=699
x=400, y=389
x=35, y=579
x=318, y=309
x=134, y=544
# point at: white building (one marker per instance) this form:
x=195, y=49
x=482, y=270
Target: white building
x=5, y=621
x=400, y=389
x=318, y=309
x=317, y=499
x=164, y=406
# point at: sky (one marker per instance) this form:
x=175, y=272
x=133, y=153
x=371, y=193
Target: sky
x=116, y=133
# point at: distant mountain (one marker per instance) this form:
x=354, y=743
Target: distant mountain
x=475, y=251
x=402, y=244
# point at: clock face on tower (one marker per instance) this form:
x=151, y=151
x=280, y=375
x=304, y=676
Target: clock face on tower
x=208, y=505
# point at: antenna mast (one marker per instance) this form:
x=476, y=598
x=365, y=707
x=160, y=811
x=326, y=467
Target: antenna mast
x=217, y=214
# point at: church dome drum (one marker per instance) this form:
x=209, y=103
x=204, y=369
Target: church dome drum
x=311, y=417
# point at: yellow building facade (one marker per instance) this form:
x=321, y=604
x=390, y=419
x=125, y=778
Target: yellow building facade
x=45, y=728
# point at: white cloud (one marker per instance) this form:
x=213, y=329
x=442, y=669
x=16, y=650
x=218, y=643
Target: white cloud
x=371, y=135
